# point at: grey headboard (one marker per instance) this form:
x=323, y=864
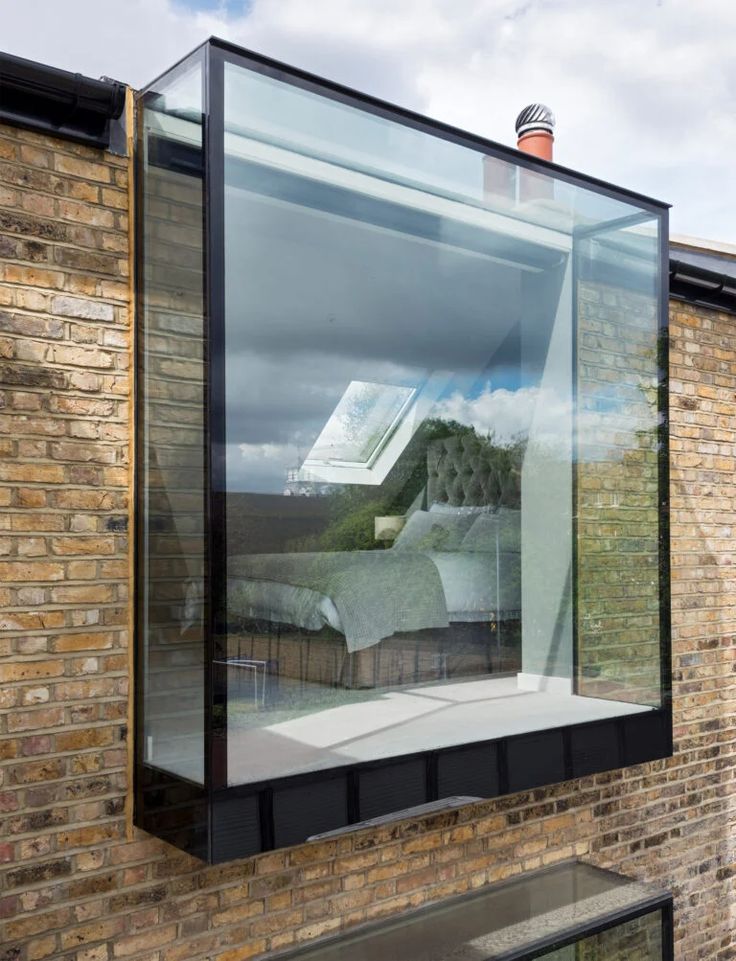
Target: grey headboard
x=465, y=470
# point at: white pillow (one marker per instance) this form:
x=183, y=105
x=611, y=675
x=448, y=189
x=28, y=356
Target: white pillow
x=425, y=531
x=441, y=508
x=500, y=531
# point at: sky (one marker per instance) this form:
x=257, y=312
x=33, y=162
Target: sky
x=644, y=90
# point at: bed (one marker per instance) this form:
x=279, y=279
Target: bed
x=456, y=560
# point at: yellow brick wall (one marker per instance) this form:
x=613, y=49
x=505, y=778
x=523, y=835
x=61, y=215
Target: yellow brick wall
x=76, y=883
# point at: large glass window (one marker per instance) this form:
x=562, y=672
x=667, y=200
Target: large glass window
x=402, y=461
x=425, y=381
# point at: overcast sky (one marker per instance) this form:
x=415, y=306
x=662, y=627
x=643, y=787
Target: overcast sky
x=644, y=90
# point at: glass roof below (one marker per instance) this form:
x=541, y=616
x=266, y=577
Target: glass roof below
x=503, y=921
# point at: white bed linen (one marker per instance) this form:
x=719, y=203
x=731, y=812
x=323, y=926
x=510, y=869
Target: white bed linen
x=468, y=581
x=274, y=601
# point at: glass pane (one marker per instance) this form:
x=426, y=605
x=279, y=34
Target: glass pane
x=512, y=919
x=617, y=465
x=172, y=427
x=636, y=940
x=275, y=116
x=400, y=424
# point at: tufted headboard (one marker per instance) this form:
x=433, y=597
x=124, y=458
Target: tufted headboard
x=465, y=470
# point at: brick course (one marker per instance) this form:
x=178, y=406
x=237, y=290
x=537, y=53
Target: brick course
x=78, y=883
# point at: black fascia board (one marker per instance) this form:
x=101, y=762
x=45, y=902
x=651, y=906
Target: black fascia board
x=58, y=102
x=697, y=285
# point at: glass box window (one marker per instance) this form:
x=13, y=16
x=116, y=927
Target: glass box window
x=430, y=510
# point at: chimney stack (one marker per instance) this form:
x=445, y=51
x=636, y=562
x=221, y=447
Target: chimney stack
x=506, y=183
x=534, y=127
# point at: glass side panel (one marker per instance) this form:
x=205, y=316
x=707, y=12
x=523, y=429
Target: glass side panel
x=617, y=465
x=401, y=432
x=637, y=940
x=172, y=435
x=513, y=920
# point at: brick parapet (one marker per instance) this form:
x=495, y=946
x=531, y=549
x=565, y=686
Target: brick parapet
x=75, y=886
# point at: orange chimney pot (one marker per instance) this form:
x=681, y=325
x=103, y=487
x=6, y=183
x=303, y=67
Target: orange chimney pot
x=534, y=127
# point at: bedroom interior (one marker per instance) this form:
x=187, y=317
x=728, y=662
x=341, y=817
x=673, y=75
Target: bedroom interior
x=401, y=445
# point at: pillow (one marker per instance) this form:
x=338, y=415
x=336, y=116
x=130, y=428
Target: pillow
x=433, y=532
x=500, y=531
x=443, y=508
x=482, y=535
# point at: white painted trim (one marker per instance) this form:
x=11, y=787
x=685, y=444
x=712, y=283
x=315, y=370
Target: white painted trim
x=703, y=245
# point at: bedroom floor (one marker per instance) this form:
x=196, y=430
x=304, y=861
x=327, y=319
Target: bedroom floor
x=402, y=722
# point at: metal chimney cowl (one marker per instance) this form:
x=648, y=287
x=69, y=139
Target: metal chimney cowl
x=534, y=128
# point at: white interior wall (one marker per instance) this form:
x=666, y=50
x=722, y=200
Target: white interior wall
x=546, y=511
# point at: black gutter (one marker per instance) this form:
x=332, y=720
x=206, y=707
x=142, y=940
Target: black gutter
x=696, y=285
x=58, y=102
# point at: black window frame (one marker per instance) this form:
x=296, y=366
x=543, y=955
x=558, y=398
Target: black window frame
x=217, y=822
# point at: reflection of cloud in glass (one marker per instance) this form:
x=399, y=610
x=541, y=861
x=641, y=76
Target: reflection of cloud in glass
x=506, y=414
x=546, y=416
x=260, y=467
x=288, y=397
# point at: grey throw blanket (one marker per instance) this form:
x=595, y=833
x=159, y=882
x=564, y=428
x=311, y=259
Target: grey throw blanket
x=376, y=593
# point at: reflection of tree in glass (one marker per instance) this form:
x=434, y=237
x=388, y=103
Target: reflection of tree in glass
x=354, y=507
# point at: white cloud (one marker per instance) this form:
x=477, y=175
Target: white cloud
x=644, y=90
x=260, y=467
x=507, y=415
x=547, y=418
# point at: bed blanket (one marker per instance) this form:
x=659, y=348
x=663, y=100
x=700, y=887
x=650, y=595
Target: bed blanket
x=376, y=593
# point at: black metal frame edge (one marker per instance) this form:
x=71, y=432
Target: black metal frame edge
x=215, y=523
x=668, y=930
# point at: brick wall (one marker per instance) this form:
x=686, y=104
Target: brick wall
x=78, y=883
